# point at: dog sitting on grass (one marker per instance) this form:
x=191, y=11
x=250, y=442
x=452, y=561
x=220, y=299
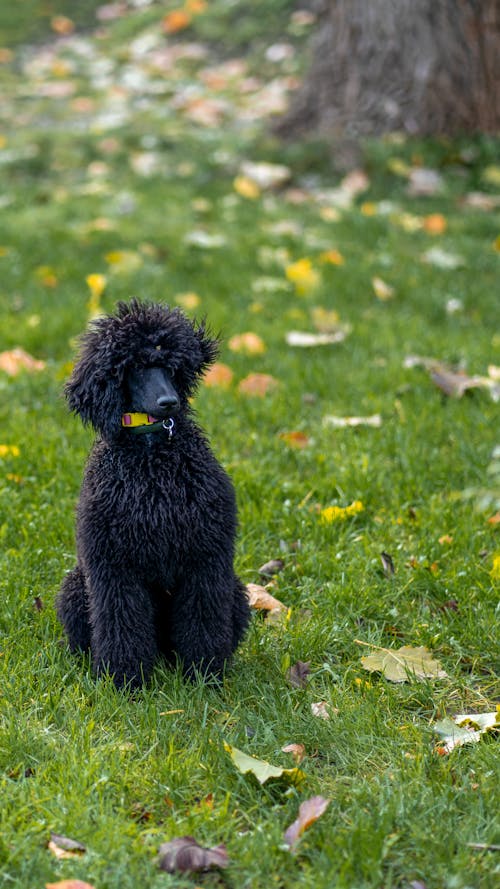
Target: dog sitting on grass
x=156, y=518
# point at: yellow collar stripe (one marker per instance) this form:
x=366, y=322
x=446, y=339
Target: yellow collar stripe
x=137, y=420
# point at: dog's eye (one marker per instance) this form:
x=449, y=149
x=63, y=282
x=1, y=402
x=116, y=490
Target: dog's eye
x=158, y=348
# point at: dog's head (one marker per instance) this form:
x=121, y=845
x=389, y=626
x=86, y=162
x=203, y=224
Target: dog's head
x=117, y=351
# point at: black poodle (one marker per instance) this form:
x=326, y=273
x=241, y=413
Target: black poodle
x=156, y=519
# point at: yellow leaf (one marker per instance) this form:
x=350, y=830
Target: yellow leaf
x=246, y=187
x=261, y=600
x=188, y=300
x=334, y=257
x=382, y=290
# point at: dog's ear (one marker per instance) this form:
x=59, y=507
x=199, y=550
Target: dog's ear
x=94, y=389
x=209, y=345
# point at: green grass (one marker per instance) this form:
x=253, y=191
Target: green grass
x=123, y=773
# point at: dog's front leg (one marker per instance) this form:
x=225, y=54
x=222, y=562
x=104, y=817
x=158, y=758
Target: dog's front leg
x=202, y=624
x=122, y=628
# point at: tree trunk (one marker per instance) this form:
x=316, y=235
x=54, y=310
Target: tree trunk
x=416, y=66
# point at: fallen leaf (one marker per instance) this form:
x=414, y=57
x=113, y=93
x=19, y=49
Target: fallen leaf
x=274, y=566
x=424, y=182
x=320, y=710
x=261, y=600
x=456, y=384
x=327, y=320
x=184, y=854
x=298, y=752
x=345, y=422
x=62, y=25
x=309, y=812
x=382, y=290
x=306, y=340
x=298, y=674
x=297, y=440
x=219, y=375
x=332, y=257
x=403, y=664
x=248, y=343
x=15, y=360
x=387, y=564
x=443, y=259
x=257, y=385
x=64, y=847
x=188, y=300
x=69, y=884
x=265, y=175
x=246, y=187
x=355, y=182
x=261, y=769
x=175, y=21
x=435, y=224
x=466, y=728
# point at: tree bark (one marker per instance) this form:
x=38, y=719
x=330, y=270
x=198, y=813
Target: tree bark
x=416, y=66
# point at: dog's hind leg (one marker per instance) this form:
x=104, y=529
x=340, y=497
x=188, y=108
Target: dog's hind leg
x=72, y=610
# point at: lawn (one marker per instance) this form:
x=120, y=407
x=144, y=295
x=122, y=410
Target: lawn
x=128, y=147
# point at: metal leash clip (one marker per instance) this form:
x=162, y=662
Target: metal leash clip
x=168, y=426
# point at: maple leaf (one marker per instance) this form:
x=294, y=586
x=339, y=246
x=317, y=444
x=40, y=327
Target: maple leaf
x=309, y=812
x=403, y=664
x=263, y=771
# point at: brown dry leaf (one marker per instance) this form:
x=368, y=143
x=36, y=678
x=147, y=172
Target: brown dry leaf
x=257, y=385
x=298, y=752
x=297, y=440
x=64, y=847
x=219, y=375
x=387, y=564
x=249, y=343
x=15, y=360
x=260, y=599
x=456, y=384
x=298, y=674
x=320, y=710
x=309, y=812
x=69, y=884
x=184, y=854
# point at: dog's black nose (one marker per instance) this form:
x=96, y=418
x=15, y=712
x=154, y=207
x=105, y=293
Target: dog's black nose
x=170, y=401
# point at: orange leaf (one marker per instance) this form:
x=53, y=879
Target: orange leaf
x=260, y=599
x=309, y=812
x=494, y=519
x=69, y=884
x=61, y=24
x=249, y=343
x=16, y=360
x=298, y=752
x=175, y=21
x=257, y=384
x=296, y=440
x=219, y=375
x=435, y=224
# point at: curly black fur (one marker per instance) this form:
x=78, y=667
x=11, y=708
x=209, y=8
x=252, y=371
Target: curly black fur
x=156, y=519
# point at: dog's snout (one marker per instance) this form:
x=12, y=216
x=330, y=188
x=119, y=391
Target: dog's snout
x=170, y=401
